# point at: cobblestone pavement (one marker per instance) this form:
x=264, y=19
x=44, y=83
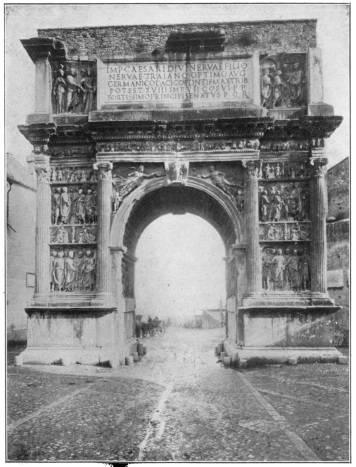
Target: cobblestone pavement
x=178, y=404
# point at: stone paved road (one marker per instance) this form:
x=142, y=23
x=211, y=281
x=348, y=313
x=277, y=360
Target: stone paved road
x=178, y=404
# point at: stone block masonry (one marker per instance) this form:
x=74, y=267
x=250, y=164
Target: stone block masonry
x=268, y=37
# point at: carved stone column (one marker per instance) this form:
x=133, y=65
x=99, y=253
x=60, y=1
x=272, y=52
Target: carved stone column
x=43, y=219
x=253, y=263
x=103, y=275
x=318, y=210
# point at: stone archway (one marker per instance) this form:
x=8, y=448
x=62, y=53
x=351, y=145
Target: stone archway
x=144, y=205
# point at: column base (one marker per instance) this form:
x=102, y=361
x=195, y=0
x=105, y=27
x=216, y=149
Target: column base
x=259, y=356
x=283, y=326
x=68, y=356
x=85, y=335
x=73, y=300
x=287, y=299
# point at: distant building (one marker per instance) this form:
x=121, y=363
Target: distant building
x=338, y=241
x=198, y=316
x=20, y=251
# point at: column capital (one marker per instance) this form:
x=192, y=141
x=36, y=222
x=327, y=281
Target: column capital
x=318, y=167
x=42, y=168
x=252, y=168
x=104, y=169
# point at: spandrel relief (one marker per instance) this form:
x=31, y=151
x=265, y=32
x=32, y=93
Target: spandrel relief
x=72, y=270
x=74, y=205
x=283, y=81
x=73, y=174
x=230, y=185
x=286, y=269
x=73, y=234
x=127, y=179
x=283, y=170
x=285, y=231
x=284, y=202
x=74, y=88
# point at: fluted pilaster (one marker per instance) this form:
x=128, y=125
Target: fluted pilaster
x=103, y=281
x=43, y=218
x=253, y=264
x=318, y=210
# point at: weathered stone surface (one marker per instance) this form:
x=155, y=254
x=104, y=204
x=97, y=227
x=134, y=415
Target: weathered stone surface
x=267, y=36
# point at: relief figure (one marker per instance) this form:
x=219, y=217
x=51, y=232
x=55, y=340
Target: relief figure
x=80, y=207
x=304, y=272
x=69, y=272
x=58, y=272
x=218, y=179
x=73, y=91
x=277, y=270
x=59, y=89
x=51, y=269
x=266, y=269
x=88, y=271
x=124, y=186
x=65, y=206
x=88, y=85
x=56, y=205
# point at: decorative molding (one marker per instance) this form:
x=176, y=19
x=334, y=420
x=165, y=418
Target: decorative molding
x=252, y=169
x=318, y=167
x=104, y=170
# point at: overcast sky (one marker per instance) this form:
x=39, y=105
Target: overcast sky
x=180, y=263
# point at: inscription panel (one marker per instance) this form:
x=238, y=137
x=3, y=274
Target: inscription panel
x=174, y=83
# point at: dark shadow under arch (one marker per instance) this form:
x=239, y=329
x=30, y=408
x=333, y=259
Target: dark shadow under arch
x=177, y=199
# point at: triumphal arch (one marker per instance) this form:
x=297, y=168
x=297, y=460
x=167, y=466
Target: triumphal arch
x=225, y=121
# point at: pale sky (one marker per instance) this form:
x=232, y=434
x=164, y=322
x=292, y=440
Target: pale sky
x=180, y=267
x=180, y=264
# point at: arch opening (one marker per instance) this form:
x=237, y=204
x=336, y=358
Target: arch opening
x=155, y=199
x=178, y=200
x=180, y=269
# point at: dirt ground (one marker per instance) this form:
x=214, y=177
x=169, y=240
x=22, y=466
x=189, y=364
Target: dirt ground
x=178, y=404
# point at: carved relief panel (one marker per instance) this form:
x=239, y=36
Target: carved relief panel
x=74, y=87
x=73, y=234
x=72, y=270
x=284, y=202
x=283, y=170
x=283, y=146
x=283, y=81
x=286, y=231
x=180, y=146
x=74, y=204
x=73, y=174
x=286, y=268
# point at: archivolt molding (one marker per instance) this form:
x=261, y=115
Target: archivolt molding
x=121, y=218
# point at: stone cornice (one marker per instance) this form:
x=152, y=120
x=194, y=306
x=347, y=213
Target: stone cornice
x=40, y=48
x=208, y=135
